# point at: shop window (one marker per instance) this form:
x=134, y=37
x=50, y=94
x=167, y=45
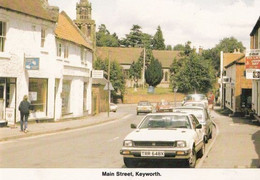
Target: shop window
x=66, y=97
x=2, y=35
x=38, y=94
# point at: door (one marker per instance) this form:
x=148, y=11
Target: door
x=2, y=101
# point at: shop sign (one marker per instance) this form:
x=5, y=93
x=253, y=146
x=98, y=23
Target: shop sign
x=33, y=96
x=253, y=74
x=32, y=63
x=98, y=74
x=9, y=115
x=253, y=62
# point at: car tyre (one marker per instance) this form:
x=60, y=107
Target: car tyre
x=193, y=158
x=130, y=163
x=202, y=150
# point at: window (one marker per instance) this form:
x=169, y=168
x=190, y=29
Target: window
x=166, y=76
x=2, y=35
x=66, y=51
x=42, y=37
x=83, y=56
x=59, y=49
x=38, y=89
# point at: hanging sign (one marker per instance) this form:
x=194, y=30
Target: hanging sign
x=32, y=63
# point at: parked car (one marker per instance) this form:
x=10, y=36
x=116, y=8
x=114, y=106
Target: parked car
x=164, y=136
x=144, y=107
x=197, y=103
x=202, y=115
x=164, y=106
x=196, y=98
x=113, y=107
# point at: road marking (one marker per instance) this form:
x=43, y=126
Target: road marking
x=113, y=139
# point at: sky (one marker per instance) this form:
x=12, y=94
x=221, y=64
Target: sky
x=203, y=22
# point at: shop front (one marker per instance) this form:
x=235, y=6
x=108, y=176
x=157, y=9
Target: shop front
x=7, y=99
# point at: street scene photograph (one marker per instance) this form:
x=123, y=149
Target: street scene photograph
x=136, y=89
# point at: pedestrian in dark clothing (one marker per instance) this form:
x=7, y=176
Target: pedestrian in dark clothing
x=24, y=108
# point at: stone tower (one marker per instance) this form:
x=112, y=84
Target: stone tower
x=84, y=21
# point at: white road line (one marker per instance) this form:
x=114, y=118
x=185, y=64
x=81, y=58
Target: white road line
x=113, y=139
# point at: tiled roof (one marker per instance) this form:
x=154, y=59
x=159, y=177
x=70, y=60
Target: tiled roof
x=33, y=8
x=228, y=58
x=128, y=55
x=67, y=30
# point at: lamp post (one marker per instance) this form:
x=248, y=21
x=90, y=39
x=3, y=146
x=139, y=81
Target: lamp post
x=175, y=91
x=144, y=68
x=108, y=78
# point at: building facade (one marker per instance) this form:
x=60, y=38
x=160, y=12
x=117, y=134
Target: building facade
x=36, y=60
x=253, y=67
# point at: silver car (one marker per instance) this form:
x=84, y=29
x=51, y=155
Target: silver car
x=202, y=115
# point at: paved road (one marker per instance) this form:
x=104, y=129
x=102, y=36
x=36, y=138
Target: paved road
x=91, y=147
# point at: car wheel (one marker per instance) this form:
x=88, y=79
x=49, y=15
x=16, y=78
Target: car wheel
x=202, y=150
x=130, y=163
x=193, y=158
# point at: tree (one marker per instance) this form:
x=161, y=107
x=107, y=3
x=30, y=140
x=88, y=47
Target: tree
x=154, y=73
x=227, y=45
x=116, y=74
x=105, y=39
x=134, y=38
x=148, y=57
x=158, y=41
x=179, y=47
x=135, y=71
x=169, y=47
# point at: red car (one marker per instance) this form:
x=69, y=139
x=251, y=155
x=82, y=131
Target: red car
x=164, y=106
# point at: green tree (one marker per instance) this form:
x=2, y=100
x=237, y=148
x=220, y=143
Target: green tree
x=135, y=71
x=116, y=74
x=134, y=38
x=179, y=47
x=154, y=73
x=227, y=45
x=158, y=40
x=105, y=39
x=169, y=47
x=148, y=57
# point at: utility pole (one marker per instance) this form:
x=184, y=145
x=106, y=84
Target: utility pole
x=108, y=87
x=144, y=68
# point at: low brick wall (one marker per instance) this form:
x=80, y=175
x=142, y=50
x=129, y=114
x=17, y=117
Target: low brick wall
x=134, y=99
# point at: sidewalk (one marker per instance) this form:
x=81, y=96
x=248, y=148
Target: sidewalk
x=8, y=133
x=237, y=144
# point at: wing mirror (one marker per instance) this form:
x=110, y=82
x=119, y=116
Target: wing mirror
x=133, y=126
x=199, y=126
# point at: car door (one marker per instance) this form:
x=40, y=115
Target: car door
x=199, y=139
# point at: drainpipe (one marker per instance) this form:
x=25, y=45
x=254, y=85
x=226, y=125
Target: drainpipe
x=221, y=81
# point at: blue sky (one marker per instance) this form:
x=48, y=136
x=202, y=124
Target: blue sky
x=203, y=22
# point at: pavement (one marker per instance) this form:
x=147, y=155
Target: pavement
x=34, y=128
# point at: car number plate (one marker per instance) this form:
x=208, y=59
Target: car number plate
x=152, y=153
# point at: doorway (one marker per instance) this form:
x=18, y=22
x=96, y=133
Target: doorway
x=2, y=101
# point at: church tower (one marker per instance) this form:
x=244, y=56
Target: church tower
x=84, y=20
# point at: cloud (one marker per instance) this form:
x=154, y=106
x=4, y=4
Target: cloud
x=203, y=22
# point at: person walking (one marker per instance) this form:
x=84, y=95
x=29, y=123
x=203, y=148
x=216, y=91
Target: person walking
x=24, y=108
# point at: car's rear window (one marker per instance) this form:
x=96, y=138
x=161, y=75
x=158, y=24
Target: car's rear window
x=165, y=122
x=144, y=104
x=198, y=113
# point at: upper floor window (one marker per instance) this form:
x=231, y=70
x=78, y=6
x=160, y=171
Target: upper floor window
x=83, y=55
x=66, y=51
x=59, y=47
x=2, y=35
x=42, y=37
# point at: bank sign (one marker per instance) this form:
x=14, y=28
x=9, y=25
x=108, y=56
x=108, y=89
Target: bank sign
x=253, y=64
x=32, y=63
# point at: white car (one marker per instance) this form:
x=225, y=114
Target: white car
x=113, y=107
x=165, y=136
x=202, y=115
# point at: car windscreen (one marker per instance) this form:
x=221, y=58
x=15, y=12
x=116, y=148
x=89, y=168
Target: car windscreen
x=143, y=104
x=165, y=122
x=199, y=113
x=194, y=104
x=196, y=97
